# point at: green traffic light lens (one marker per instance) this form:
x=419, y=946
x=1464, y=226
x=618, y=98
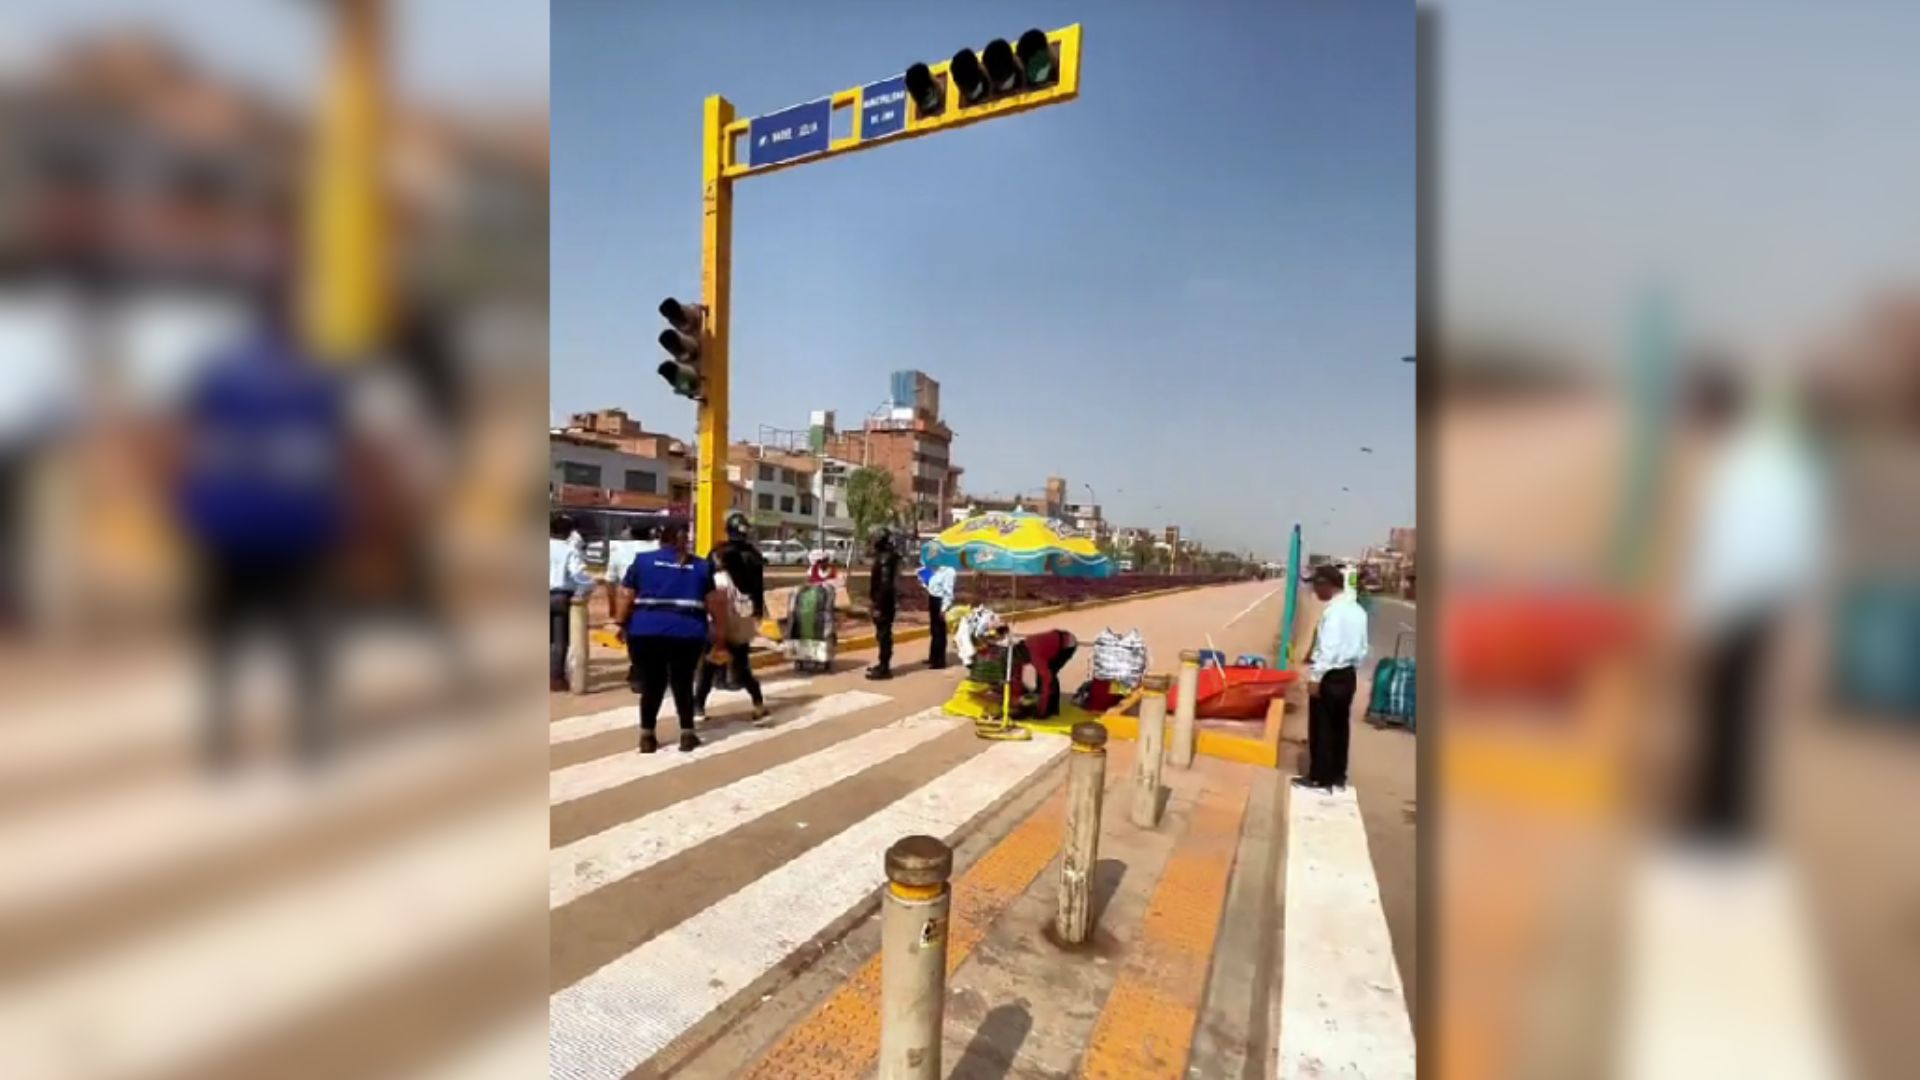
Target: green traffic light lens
x=1036, y=57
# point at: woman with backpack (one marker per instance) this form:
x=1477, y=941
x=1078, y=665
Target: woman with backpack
x=740, y=576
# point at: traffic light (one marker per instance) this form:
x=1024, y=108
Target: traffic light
x=999, y=70
x=686, y=325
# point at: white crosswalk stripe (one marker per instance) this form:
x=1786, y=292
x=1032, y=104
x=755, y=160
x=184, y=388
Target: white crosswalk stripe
x=619, y=1017
x=602, y=774
x=628, y=848
x=575, y=728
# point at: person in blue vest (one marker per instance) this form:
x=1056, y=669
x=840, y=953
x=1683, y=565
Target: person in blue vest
x=260, y=479
x=671, y=617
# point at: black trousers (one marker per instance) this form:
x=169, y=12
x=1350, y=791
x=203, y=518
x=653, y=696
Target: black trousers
x=559, y=625
x=883, y=611
x=937, y=644
x=740, y=659
x=663, y=664
x=280, y=598
x=1723, y=779
x=1329, y=727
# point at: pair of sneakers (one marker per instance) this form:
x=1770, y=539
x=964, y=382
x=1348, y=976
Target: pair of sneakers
x=649, y=743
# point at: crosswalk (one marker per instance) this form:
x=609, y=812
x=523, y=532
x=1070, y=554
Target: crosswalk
x=625, y=1010
x=169, y=927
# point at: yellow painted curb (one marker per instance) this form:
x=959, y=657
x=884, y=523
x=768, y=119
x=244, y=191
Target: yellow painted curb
x=1263, y=752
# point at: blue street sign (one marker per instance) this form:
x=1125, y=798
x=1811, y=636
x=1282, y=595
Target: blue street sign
x=789, y=133
x=883, y=108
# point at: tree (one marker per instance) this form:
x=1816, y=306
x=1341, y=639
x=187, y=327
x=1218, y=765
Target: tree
x=870, y=500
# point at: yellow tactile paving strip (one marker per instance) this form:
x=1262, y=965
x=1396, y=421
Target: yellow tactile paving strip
x=841, y=1037
x=1146, y=1027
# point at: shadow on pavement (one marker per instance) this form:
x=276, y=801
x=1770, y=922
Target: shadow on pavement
x=1107, y=875
x=996, y=1044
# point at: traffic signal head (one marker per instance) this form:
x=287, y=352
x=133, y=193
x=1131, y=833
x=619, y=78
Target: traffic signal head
x=681, y=339
x=1002, y=73
x=926, y=92
x=968, y=77
x=1035, y=53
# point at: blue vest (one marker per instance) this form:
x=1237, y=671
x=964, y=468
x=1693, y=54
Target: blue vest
x=266, y=470
x=670, y=600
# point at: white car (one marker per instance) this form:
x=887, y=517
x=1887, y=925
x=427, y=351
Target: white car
x=784, y=553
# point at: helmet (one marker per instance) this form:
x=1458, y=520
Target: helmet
x=738, y=527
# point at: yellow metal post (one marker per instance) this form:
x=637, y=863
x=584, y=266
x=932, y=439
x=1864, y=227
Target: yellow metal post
x=344, y=274
x=716, y=292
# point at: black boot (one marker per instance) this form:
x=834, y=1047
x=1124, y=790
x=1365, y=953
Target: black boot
x=877, y=673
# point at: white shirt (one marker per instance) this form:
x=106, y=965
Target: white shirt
x=1759, y=538
x=940, y=584
x=621, y=553
x=1340, y=640
x=565, y=568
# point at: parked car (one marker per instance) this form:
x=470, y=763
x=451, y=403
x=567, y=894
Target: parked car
x=784, y=553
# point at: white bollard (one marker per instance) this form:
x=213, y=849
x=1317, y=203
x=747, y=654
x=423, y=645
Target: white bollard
x=1086, y=779
x=579, y=647
x=1180, y=754
x=913, y=958
x=1146, y=767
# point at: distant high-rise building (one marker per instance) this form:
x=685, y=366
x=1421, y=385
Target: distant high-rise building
x=1402, y=540
x=1056, y=497
x=917, y=395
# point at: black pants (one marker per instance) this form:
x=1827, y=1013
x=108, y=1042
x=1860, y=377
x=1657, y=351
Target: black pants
x=1723, y=784
x=1329, y=727
x=559, y=625
x=665, y=663
x=883, y=631
x=937, y=645
x=741, y=661
x=285, y=600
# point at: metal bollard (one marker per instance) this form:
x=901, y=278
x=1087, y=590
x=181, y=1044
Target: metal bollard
x=1086, y=777
x=1146, y=767
x=913, y=958
x=1181, y=752
x=579, y=646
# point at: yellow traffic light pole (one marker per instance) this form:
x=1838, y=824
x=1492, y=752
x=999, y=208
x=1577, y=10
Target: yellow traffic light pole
x=721, y=165
x=716, y=293
x=343, y=273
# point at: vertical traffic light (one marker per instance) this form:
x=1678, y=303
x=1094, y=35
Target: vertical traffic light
x=686, y=325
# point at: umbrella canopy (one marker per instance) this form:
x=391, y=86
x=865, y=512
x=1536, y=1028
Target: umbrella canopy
x=1016, y=543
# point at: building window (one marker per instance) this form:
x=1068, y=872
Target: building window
x=786, y=504
x=766, y=502
x=642, y=482
x=766, y=473
x=788, y=478
x=833, y=510
x=579, y=475
x=806, y=505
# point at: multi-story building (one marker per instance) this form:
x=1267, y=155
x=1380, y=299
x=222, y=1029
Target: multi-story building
x=588, y=473
x=910, y=441
x=1086, y=518
x=1403, y=540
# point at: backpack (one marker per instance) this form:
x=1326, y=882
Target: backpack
x=740, y=624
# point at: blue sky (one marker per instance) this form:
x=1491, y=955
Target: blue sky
x=1191, y=288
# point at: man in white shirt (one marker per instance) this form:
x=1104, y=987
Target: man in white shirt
x=1339, y=647
x=566, y=576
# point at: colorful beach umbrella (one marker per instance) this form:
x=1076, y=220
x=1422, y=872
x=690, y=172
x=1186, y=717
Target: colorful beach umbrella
x=1016, y=543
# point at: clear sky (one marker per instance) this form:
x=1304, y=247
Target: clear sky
x=1191, y=288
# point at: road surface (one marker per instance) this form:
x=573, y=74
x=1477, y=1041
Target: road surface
x=703, y=909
